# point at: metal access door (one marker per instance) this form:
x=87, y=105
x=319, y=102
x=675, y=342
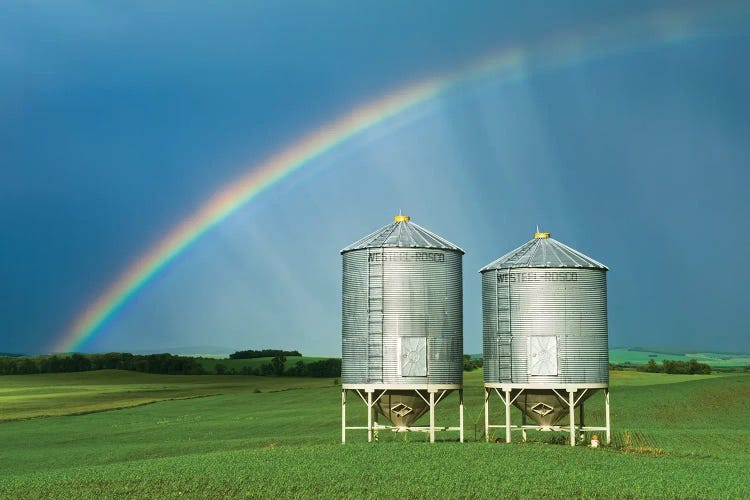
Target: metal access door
x=413, y=356
x=542, y=355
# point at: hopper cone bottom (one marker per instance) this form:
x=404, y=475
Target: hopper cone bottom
x=403, y=407
x=545, y=407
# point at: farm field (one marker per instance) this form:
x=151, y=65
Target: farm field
x=641, y=357
x=44, y=395
x=675, y=436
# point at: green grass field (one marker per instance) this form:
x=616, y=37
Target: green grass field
x=690, y=437
x=30, y=396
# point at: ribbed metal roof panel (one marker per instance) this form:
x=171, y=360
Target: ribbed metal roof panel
x=543, y=252
x=402, y=234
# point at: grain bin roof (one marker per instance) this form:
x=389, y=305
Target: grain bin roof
x=543, y=251
x=402, y=233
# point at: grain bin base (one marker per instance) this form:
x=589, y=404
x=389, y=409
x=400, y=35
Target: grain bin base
x=372, y=394
x=571, y=396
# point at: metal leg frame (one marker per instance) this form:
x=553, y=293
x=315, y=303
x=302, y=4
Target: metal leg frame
x=343, y=416
x=487, y=426
x=572, y=405
x=432, y=417
x=461, y=415
x=575, y=398
x=581, y=413
x=373, y=396
x=507, y=401
x=606, y=404
x=572, y=402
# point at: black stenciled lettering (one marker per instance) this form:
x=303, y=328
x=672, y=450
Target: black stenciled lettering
x=406, y=257
x=538, y=277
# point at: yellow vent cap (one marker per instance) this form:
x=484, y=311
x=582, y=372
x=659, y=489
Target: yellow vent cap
x=538, y=235
x=401, y=218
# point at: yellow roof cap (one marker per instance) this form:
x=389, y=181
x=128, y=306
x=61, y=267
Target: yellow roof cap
x=401, y=218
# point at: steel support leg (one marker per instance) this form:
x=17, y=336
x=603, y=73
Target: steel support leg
x=377, y=418
x=523, y=422
x=487, y=414
x=432, y=417
x=507, y=416
x=369, y=417
x=606, y=404
x=581, y=422
x=461, y=415
x=343, y=416
x=571, y=403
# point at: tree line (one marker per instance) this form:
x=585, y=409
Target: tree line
x=181, y=365
x=160, y=363
x=692, y=367
x=472, y=364
x=262, y=353
x=277, y=367
x=147, y=363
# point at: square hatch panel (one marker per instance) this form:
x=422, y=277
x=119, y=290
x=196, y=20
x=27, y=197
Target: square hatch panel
x=402, y=410
x=413, y=356
x=543, y=355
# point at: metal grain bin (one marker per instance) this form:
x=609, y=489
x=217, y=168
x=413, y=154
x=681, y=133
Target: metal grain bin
x=402, y=316
x=544, y=309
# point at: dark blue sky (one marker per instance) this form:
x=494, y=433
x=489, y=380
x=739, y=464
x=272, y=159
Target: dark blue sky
x=118, y=119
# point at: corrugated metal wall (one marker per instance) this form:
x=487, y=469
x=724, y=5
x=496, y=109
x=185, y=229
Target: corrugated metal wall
x=390, y=293
x=568, y=303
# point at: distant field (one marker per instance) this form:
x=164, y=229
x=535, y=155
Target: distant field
x=29, y=396
x=716, y=360
x=690, y=436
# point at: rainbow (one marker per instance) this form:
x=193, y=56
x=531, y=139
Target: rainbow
x=656, y=28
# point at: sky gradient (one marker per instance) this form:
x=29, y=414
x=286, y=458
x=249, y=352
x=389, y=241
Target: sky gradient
x=121, y=121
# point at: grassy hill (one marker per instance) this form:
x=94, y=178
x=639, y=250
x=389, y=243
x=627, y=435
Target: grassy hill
x=689, y=437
